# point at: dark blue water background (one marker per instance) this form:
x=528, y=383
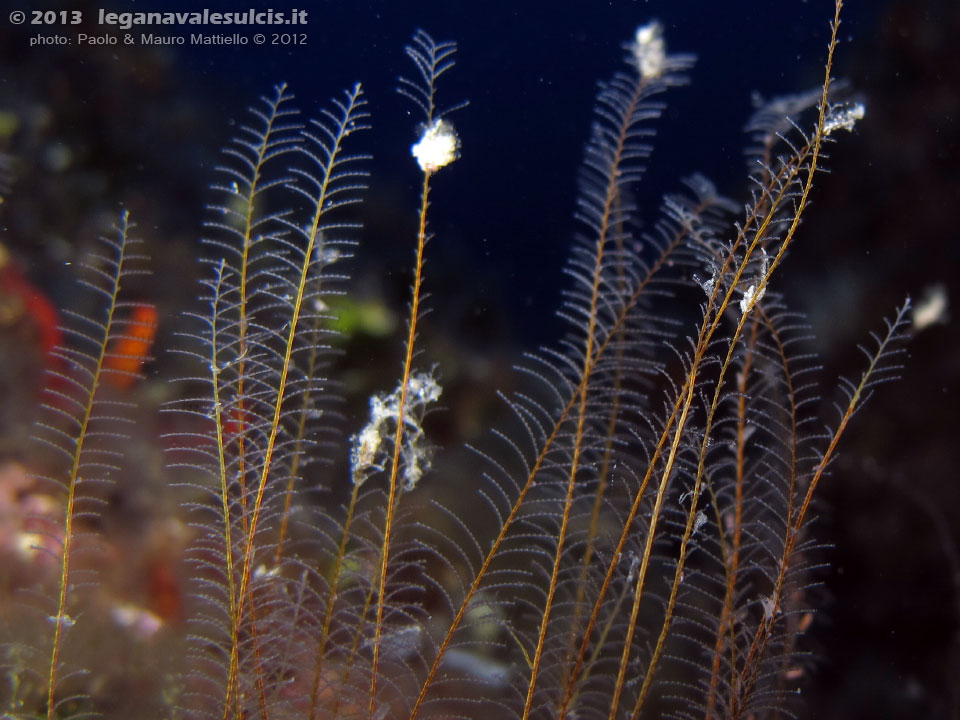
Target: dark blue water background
x=503, y=214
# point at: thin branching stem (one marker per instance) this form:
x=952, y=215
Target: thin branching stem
x=243, y=320
x=611, y=193
x=691, y=515
x=603, y=480
x=313, y=342
x=313, y=234
x=726, y=626
x=750, y=671
x=788, y=237
x=73, y=478
x=713, y=314
x=398, y=436
x=222, y=470
x=331, y=601
x=536, y=466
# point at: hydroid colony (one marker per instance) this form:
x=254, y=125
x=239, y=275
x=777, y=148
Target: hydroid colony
x=650, y=550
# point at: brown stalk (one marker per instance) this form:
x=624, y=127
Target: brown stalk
x=320, y=209
x=398, y=436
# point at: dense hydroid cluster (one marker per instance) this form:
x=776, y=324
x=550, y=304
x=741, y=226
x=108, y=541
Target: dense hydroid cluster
x=639, y=539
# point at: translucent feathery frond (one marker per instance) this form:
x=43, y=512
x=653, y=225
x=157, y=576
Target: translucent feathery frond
x=635, y=539
x=432, y=59
x=279, y=258
x=83, y=425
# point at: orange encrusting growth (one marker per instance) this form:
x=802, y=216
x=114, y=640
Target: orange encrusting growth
x=129, y=351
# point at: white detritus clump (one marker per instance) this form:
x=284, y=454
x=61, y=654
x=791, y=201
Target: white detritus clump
x=932, y=308
x=372, y=446
x=649, y=50
x=263, y=572
x=843, y=117
x=708, y=285
x=325, y=254
x=634, y=566
x=366, y=444
x=64, y=620
x=750, y=298
x=699, y=521
x=438, y=146
x=769, y=606
x=688, y=495
x=422, y=391
x=399, y=644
